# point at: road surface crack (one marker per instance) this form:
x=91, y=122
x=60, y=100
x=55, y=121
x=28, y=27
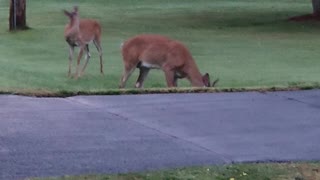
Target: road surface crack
x=224, y=158
x=296, y=100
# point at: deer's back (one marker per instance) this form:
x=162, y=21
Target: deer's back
x=89, y=29
x=156, y=49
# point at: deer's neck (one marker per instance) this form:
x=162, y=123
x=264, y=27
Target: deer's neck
x=72, y=33
x=74, y=27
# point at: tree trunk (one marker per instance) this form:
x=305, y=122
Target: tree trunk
x=316, y=7
x=17, y=17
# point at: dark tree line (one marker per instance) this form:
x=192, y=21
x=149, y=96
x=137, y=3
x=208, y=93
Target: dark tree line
x=17, y=16
x=316, y=7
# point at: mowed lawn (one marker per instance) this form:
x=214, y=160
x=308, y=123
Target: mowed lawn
x=246, y=43
x=268, y=171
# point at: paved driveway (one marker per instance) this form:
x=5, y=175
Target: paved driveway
x=109, y=134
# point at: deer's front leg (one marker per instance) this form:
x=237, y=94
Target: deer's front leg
x=87, y=57
x=169, y=73
x=71, y=51
x=78, y=62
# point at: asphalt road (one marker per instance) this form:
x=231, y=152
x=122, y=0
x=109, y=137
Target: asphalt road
x=109, y=134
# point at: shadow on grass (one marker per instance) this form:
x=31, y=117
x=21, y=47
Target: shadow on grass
x=305, y=17
x=222, y=20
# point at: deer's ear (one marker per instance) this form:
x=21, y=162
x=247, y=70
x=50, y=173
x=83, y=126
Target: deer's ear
x=75, y=8
x=66, y=13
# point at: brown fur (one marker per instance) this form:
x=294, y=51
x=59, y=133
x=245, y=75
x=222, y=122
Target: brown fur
x=169, y=55
x=81, y=32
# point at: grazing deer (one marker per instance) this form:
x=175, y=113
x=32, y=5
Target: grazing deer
x=81, y=32
x=158, y=52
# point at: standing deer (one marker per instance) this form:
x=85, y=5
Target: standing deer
x=81, y=32
x=158, y=52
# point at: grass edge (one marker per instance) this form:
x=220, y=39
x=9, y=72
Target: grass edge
x=132, y=91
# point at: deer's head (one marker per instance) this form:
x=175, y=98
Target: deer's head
x=206, y=80
x=73, y=15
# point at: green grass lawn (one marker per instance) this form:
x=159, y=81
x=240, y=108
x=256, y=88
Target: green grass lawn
x=246, y=43
x=287, y=171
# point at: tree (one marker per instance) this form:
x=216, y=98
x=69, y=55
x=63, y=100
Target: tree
x=316, y=7
x=17, y=17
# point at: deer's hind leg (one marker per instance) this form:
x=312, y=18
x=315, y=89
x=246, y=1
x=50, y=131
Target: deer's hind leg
x=128, y=70
x=87, y=58
x=97, y=43
x=142, y=75
x=71, y=52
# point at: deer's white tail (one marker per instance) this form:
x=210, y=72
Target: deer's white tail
x=121, y=45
